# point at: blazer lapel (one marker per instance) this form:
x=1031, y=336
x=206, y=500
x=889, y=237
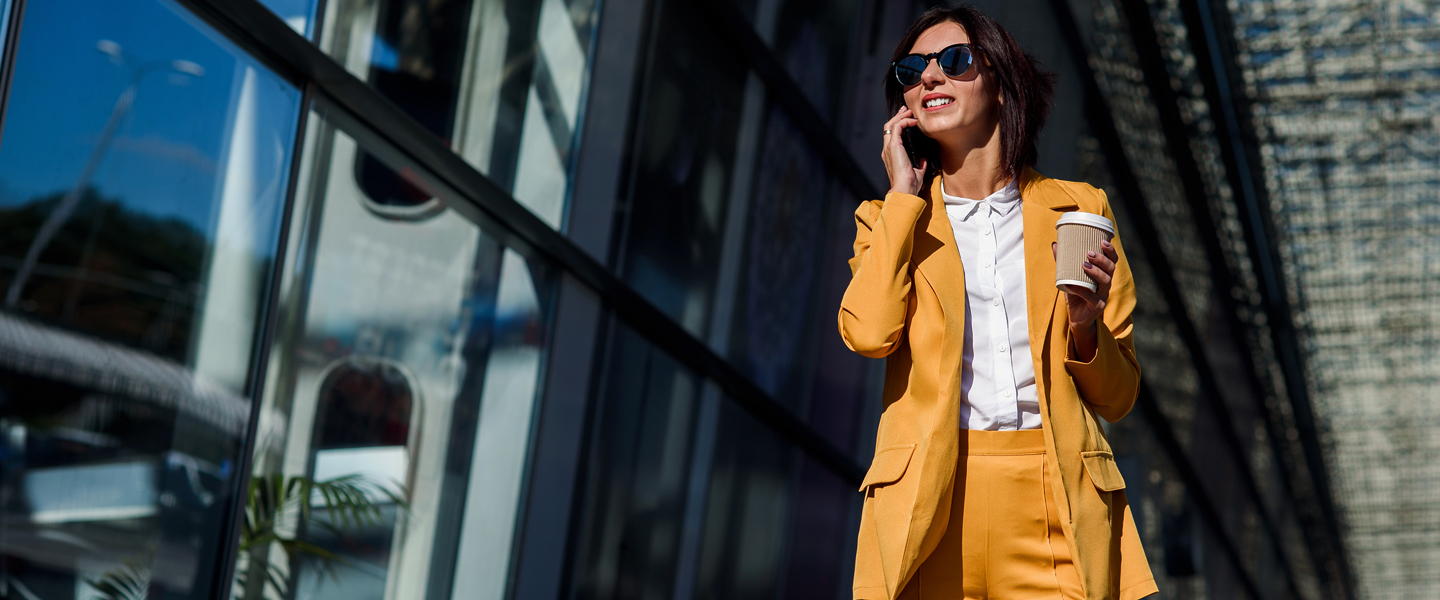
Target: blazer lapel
x=1042, y=203
x=940, y=261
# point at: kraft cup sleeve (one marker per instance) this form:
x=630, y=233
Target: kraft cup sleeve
x=1074, y=241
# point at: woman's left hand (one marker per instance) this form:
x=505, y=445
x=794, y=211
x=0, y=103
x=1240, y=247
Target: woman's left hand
x=1086, y=307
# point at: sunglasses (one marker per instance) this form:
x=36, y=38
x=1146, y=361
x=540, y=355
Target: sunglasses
x=954, y=61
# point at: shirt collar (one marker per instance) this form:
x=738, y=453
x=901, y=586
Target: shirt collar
x=1002, y=201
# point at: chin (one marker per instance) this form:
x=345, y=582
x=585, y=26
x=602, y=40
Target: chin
x=939, y=128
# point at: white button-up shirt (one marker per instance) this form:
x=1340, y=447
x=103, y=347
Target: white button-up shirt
x=997, y=390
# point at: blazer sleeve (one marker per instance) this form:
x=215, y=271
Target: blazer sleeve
x=872, y=312
x=1110, y=381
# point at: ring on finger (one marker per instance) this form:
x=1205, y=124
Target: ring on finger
x=887, y=132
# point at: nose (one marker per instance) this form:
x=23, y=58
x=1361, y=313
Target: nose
x=932, y=75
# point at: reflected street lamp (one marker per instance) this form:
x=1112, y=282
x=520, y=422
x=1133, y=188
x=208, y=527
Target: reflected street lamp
x=71, y=201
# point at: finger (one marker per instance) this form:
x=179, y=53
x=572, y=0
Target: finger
x=1055, y=250
x=890, y=123
x=897, y=126
x=1102, y=279
x=1110, y=252
x=894, y=140
x=1102, y=261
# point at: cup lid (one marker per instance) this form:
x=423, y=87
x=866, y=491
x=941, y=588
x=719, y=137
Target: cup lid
x=1084, y=218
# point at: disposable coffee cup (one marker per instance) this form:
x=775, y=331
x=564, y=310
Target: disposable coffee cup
x=1078, y=234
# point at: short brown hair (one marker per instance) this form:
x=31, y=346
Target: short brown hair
x=1026, y=87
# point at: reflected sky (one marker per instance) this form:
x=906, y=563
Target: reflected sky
x=65, y=88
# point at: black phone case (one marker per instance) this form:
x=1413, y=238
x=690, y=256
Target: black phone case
x=908, y=139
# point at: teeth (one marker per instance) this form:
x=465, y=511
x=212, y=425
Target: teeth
x=933, y=102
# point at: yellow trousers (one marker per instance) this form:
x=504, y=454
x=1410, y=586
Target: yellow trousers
x=1004, y=541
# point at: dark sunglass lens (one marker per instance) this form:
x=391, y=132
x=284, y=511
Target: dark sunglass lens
x=908, y=70
x=955, y=60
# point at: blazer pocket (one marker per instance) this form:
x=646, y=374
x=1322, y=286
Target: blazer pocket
x=1103, y=472
x=888, y=466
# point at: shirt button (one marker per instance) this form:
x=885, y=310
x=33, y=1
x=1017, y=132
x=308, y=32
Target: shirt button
x=994, y=302
x=988, y=262
x=1002, y=347
x=1008, y=393
x=985, y=232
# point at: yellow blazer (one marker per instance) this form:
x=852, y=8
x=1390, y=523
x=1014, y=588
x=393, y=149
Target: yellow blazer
x=906, y=302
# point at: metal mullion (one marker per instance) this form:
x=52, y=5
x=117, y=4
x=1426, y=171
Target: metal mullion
x=259, y=31
x=228, y=555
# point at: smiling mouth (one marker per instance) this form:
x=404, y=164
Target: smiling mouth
x=938, y=102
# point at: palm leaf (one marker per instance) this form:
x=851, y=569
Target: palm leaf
x=129, y=581
x=278, y=508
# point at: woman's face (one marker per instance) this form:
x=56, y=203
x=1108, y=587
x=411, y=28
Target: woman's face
x=952, y=108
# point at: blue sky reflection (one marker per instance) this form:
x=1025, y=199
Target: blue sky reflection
x=166, y=157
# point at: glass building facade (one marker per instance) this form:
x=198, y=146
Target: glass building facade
x=513, y=299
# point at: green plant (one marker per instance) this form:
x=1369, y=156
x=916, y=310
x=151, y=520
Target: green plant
x=278, y=508
x=129, y=581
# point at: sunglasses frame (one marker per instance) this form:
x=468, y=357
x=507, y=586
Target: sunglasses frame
x=972, y=48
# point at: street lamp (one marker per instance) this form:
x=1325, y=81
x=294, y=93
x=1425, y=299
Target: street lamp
x=66, y=208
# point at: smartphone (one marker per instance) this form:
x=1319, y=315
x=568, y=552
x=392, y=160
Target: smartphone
x=911, y=139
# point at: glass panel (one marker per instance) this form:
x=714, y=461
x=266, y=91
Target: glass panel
x=689, y=496
x=142, y=178
x=406, y=367
x=777, y=524
x=733, y=228
x=747, y=511
x=816, y=42
x=500, y=81
x=798, y=239
x=776, y=307
x=685, y=154
x=639, y=478
x=825, y=524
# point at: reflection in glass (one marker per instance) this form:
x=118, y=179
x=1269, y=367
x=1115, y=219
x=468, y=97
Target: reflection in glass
x=142, y=174
x=777, y=309
x=409, y=354
x=416, y=55
x=638, y=474
x=815, y=40
x=685, y=155
x=500, y=81
x=363, y=426
x=748, y=510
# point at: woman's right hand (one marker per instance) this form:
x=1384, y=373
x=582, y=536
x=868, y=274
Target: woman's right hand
x=905, y=178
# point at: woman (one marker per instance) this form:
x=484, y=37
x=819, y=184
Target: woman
x=992, y=477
